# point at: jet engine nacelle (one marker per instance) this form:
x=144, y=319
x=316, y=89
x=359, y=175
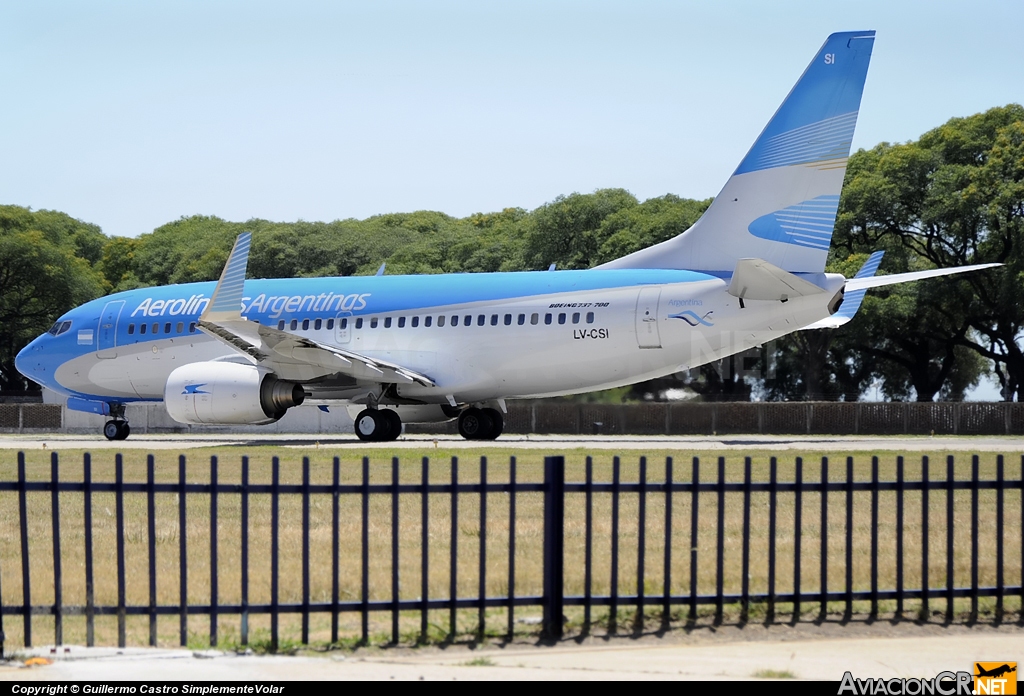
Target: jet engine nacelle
x=223, y=393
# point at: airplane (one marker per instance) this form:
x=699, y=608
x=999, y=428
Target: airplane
x=431, y=348
x=995, y=672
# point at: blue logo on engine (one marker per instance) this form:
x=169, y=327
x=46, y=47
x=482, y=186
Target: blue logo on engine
x=194, y=389
x=691, y=318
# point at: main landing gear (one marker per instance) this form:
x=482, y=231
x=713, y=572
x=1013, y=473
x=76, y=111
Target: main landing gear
x=378, y=425
x=117, y=430
x=481, y=423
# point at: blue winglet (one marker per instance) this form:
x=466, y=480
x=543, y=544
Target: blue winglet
x=853, y=299
x=228, y=295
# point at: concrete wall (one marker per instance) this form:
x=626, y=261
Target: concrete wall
x=564, y=417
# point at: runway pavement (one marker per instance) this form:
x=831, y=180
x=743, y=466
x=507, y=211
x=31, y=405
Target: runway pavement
x=735, y=655
x=908, y=443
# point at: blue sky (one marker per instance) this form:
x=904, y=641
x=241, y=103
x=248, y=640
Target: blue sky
x=132, y=114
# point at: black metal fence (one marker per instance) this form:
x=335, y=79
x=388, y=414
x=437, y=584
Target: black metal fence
x=813, y=553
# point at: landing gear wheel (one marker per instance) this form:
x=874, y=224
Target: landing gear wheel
x=116, y=430
x=394, y=421
x=370, y=426
x=475, y=424
x=497, y=423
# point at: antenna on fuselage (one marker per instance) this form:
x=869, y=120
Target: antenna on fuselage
x=380, y=271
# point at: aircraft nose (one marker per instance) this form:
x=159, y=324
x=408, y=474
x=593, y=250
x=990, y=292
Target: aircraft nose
x=29, y=362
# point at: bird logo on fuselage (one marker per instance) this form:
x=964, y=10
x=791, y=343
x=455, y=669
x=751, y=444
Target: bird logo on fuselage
x=194, y=389
x=691, y=318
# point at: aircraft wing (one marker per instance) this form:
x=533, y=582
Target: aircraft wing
x=286, y=353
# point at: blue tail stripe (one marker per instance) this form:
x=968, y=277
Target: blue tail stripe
x=816, y=121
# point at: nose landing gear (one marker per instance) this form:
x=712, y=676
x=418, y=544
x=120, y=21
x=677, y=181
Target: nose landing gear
x=118, y=428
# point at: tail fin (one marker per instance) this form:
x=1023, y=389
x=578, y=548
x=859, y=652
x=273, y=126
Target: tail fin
x=780, y=204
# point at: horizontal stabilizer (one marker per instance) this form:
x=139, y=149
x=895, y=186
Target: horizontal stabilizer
x=756, y=279
x=879, y=281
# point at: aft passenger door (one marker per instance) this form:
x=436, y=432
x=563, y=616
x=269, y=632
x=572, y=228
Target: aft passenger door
x=647, y=334
x=107, y=346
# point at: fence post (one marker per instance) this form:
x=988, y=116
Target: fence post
x=26, y=585
x=554, y=560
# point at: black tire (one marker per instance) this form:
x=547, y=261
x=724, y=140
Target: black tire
x=474, y=424
x=497, y=423
x=394, y=423
x=126, y=430
x=368, y=426
x=112, y=430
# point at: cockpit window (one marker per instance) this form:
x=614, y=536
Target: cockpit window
x=59, y=327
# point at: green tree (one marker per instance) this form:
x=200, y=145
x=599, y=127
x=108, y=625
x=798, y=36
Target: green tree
x=39, y=281
x=954, y=197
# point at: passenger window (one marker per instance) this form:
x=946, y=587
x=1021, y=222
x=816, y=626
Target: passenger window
x=494, y=320
x=455, y=320
x=143, y=328
x=575, y=317
x=359, y=323
x=508, y=319
x=294, y=324
x=427, y=320
x=191, y=327
x=415, y=322
x=305, y=324
x=547, y=318
x=440, y=320
x=387, y=323
x=468, y=320
x=280, y=325
x=401, y=322
x=330, y=324
x=534, y=318
x=317, y=324
x=590, y=317
x=373, y=323
x=522, y=319
x=156, y=328
x=167, y=327
x=480, y=320
x=561, y=317
x=131, y=329
x=180, y=327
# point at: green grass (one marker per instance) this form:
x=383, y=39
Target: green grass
x=773, y=674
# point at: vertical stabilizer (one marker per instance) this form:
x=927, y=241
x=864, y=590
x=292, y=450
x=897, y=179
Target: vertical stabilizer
x=780, y=204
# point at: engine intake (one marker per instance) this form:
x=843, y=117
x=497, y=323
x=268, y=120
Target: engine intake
x=222, y=393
